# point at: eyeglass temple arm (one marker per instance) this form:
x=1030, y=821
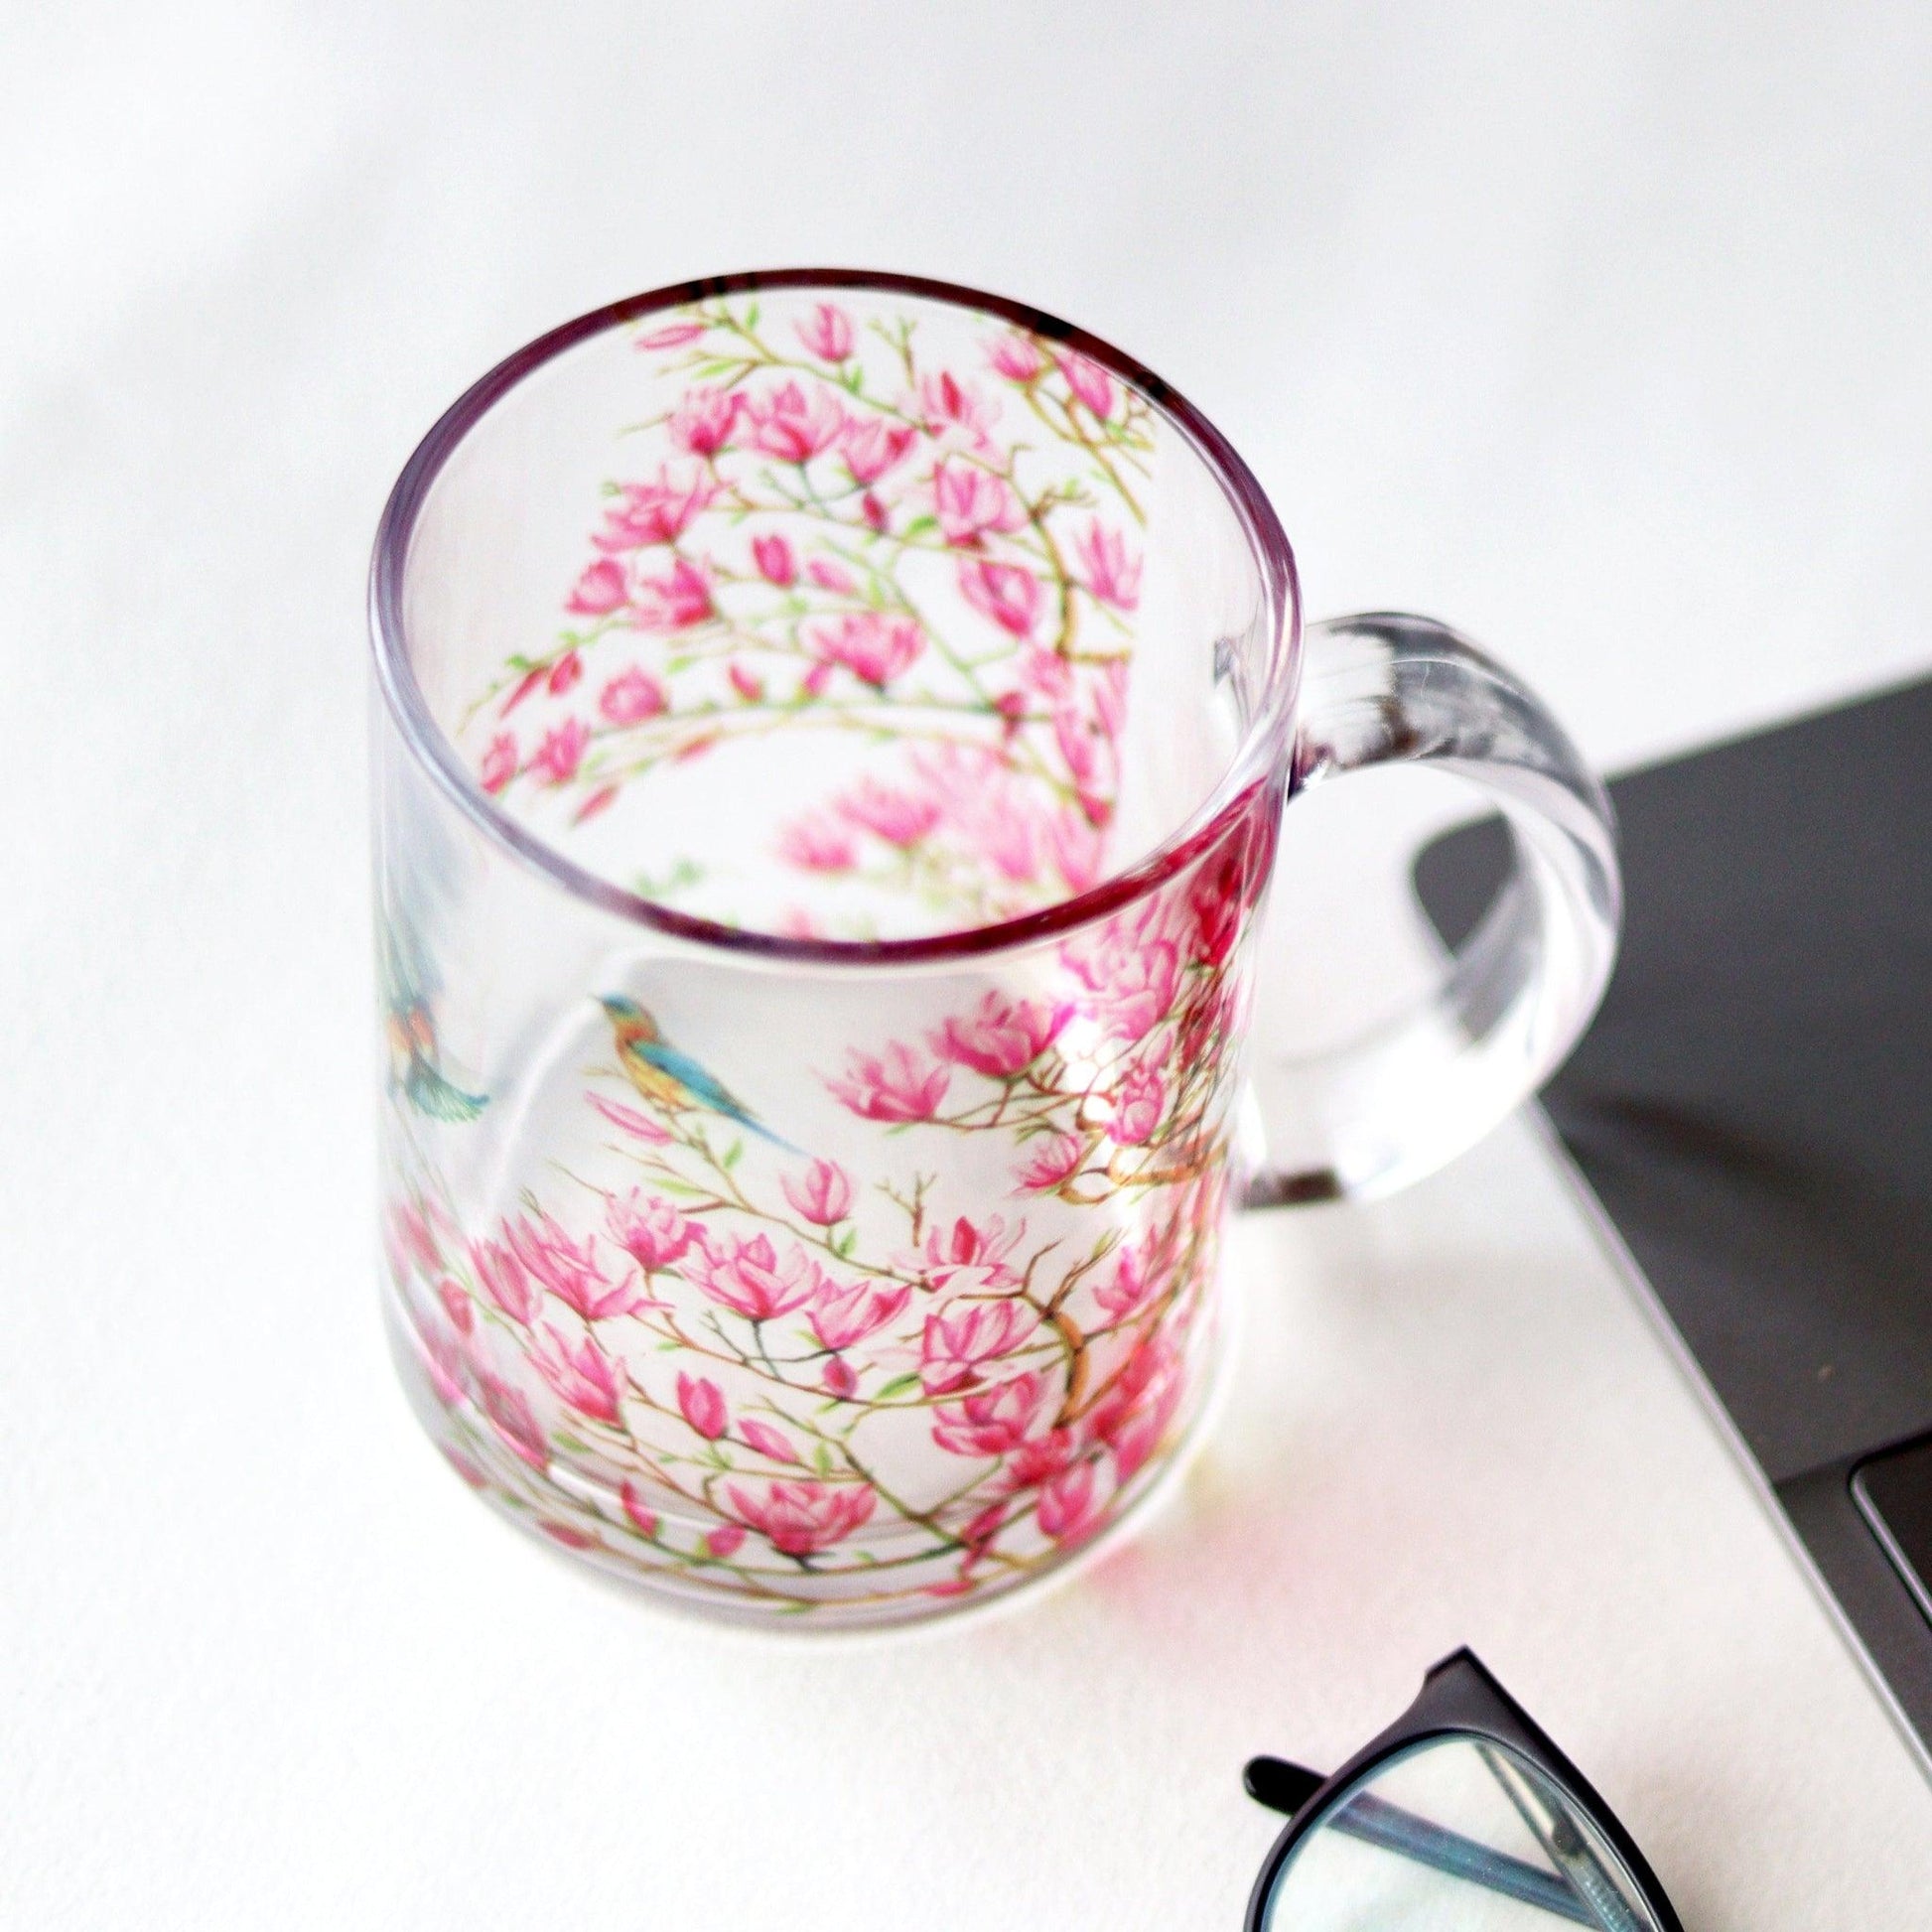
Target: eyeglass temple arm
x=1286, y=1788
x=1563, y=1845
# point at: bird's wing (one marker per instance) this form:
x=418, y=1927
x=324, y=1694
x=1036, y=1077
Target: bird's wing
x=428, y=1090
x=693, y=1079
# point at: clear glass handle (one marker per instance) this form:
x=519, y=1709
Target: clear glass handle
x=1382, y=1111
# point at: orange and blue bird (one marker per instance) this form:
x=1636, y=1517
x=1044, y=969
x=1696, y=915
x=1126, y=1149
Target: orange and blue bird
x=668, y=1080
x=409, y=1023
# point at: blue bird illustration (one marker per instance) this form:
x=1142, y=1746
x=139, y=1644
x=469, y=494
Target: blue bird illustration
x=407, y=987
x=668, y=1080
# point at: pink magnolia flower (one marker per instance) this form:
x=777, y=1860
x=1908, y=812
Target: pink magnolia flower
x=676, y=602
x=1137, y=1274
x=901, y=818
x=959, y=1340
x=984, y=1527
x=1008, y=594
x=1135, y=1432
x=1082, y=743
x=505, y=1282
x=991, y=1421
x=557, y=757
x=702, y=422
x=630, y=1118
x=1050, y=1161
x=969, y=500
x=582, y=1374
x=975, y=794
x=829, y=576
x=1113, y=576
x=527, y=683
x=672, y=334
x=801, y=1518
x=827, y=333
x=767, y=1441
x=1078, y=847
x=643, y=1519
x=891, y=1086
x=772, y=555
x=702, y=1404
x=599, y=590
x=839, y=1378
x=952, y=404
x=1045, y=1457
x=651, y=1232
x=748, y=1275
x=746, y=683
x=510, y=1415
x=1139, y=1104
x=876, y=512
x=1047, y=673
x=965, y=1256
x=410, y=1227
x=1017, y=357
x=792, y=425
x=564, y=673
x=1088, y=380
x=456, y=1304
x=498, y=765
x=1148, y=1380
x=841, y=1316
x=897, y=1085
x=1000, y=1037
x=464, y=1467
x=1134, y=977
x=1221, y=892
x=725, y=1540
x=652, y=512
x=822, y=1194
x=567, y=1534
x=873, y=445
x=569, y=1271
x=873, y=647
x=1070, y=1503
x=632, y=696
x=817, y=845
x=443, y=1359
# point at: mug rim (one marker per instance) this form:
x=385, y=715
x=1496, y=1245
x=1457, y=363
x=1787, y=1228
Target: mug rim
x=1259, y=757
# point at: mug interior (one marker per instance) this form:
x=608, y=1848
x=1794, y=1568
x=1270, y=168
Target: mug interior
x=836, y=610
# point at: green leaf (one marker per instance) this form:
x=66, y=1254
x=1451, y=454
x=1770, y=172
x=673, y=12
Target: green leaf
x=751, y=316
x=732, y=1157
x=898, y=1386
x=822, y=1458
x=919, y=526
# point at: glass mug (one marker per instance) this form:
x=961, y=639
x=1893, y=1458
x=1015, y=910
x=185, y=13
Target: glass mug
x=832, y=738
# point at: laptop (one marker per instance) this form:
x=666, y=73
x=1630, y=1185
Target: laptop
x=1753, y=1110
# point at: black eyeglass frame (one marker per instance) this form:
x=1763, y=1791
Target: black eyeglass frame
x=1460, y=1698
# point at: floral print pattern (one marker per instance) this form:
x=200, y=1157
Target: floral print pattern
x=849, y=1383
x=923, y=558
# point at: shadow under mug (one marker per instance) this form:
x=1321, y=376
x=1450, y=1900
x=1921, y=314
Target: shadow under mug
x=832, y=739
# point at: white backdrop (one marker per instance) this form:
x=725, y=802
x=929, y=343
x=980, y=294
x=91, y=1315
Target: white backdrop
x=1600, y=329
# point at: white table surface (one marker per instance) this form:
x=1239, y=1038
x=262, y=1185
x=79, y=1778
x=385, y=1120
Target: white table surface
x=1600, y=329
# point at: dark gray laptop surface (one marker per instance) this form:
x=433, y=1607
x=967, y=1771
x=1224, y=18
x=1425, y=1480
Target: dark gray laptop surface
x=1754, y=1109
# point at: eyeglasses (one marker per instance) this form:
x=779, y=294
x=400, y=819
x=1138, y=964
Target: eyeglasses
x=1461, y=1817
